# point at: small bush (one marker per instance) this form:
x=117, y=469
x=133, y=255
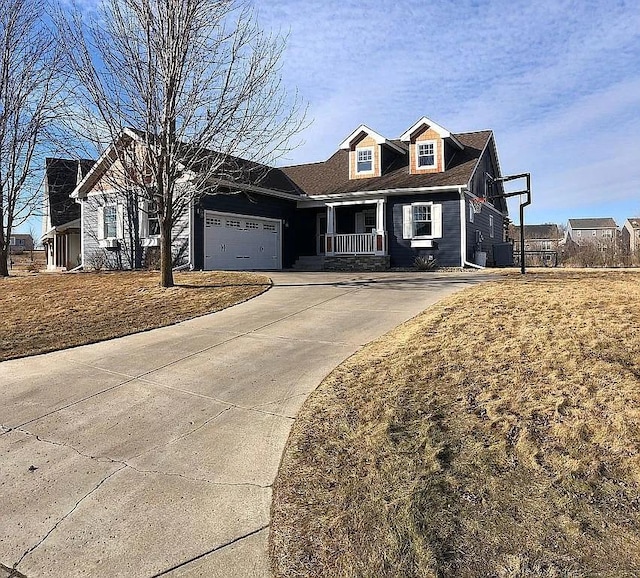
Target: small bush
x=428, y=263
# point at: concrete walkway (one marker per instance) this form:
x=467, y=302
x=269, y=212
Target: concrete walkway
x=154, y=454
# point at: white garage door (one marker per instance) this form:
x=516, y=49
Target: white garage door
x=236, y=242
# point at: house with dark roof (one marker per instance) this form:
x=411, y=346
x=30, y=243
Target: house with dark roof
x=630, y=236
x=375, y=203
x=601, y=232
x=541, y=243
x=20, y=243
x=61, y=214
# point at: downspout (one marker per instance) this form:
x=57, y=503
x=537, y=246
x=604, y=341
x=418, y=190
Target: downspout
x=81, y=233
x=463, y=234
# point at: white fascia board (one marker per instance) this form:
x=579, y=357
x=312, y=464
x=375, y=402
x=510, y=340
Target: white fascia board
x=80, y=189
x=475, y=169
x=346, y=144
x=443, y=132
x=371, y=201
x=320, y=200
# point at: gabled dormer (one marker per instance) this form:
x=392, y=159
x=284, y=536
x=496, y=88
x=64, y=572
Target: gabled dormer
x=430, y=147
x=369, y=152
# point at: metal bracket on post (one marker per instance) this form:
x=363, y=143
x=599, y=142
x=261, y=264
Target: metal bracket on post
x=525, y=191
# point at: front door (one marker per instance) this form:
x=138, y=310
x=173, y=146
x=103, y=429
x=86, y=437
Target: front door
x=321, y=232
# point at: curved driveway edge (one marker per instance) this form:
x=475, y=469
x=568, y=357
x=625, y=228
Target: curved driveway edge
x=154, y=454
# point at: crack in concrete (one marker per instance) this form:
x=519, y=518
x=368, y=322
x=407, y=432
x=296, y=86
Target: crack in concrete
x=140, y=377
x=212, y=551
x=126, y=464
x=42, y=540
x=182, y=436
x=217, y=399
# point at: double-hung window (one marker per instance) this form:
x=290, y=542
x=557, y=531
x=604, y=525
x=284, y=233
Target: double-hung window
x=426, y=154
x=110, y=221
x=152, y=220
x=422, y=221
x=364, y=161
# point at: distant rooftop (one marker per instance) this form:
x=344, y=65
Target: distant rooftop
x=605, y=223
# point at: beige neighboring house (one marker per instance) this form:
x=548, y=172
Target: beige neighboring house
x=630, y=235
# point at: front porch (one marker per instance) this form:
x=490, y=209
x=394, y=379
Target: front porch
x=63, y=247
x=353, y=228
x=349, y=236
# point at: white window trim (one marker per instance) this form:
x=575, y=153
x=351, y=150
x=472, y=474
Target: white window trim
x=144, y=224
x=119, y=221
x=435, y=154
x=491, y=227
x=436, y=223
x=471, y=212
x=373, y=160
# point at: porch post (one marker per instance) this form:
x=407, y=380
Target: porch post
x=329, y=240
x=380, y=247
x=55, y=252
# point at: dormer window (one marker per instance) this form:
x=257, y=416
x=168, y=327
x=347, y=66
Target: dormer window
x=426, y=155
x=365, y=160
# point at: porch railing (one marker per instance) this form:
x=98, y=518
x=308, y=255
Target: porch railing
x=353, y=244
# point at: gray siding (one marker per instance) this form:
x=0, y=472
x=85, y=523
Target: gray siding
x=96, y=256
x=447, y=252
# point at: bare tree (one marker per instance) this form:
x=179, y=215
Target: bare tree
x=200, y=83
x=29, y=87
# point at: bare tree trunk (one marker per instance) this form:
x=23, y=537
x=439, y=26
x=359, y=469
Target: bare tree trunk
x=166, y=260
x=201, y=87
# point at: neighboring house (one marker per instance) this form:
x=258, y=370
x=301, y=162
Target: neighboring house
x=376, y=203
x=541, y=242
x=61, y=213
x=602, y=233
x=20, y=242
x=630, y=236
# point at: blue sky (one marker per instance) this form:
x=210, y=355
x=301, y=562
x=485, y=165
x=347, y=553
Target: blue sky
x=557, y=81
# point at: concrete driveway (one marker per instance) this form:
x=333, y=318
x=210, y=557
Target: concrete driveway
x=154, y=454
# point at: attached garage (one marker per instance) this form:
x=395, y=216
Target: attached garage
x=239, y=242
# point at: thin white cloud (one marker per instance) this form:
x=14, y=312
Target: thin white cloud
x=557, y=80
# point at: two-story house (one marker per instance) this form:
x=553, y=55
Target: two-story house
x=602, y=233
x=630, y=236
x=20, y=242
x=375, y=203
x=541, y=243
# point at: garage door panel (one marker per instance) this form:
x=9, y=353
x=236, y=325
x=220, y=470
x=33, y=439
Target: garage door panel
x=233, y=242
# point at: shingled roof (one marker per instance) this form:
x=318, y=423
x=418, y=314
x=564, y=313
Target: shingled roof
x=605, y=223
x=536, y=232
x=332, y=176
x=61, y=176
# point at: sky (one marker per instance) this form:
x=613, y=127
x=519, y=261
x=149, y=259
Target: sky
x=557, y=81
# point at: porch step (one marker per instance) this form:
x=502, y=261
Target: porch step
x=309, y=263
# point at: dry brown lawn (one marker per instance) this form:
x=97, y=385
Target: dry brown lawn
x=497, y=434
x=46, y=312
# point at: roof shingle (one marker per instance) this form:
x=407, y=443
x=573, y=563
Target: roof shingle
x=332, y=176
